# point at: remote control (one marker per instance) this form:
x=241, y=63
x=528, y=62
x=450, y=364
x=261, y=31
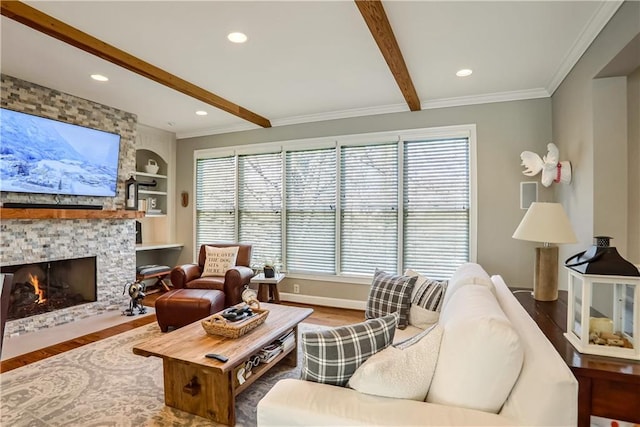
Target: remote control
x=217, y=357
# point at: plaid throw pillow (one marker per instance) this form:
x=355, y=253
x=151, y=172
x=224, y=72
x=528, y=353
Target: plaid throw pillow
x=332, y=356
x=389, y=294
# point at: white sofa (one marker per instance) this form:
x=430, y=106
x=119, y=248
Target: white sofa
x=545, y=392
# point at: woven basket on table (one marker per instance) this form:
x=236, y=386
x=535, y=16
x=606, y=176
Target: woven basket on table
x=218, y=325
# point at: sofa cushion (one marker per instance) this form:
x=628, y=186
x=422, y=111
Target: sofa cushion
x=219, y=260
x=426, y=300
x=403, y=371
x=389, y=294
x=480, y=355
x=331, y=356
x=467, y=274
x=293, y=402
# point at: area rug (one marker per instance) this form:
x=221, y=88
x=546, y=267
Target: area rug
x=105, y=385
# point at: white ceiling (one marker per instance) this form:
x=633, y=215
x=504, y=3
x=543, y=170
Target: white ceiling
x=305, y=60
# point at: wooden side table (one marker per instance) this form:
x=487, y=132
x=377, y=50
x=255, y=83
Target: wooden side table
x=268, y=287
x=607, y=386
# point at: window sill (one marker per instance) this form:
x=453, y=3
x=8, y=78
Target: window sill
x=353, y=280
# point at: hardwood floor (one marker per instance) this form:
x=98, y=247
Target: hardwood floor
x=326, y=316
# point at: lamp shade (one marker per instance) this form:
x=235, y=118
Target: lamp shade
x=547, y=223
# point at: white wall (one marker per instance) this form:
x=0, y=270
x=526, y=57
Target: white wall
x=504, y=130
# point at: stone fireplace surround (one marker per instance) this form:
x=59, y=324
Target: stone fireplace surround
x=111, y=241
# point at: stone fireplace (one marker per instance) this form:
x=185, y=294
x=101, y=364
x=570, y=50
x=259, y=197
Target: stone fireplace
x=110, y=240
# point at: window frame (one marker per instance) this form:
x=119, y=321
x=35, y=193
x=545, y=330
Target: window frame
x=400, y=136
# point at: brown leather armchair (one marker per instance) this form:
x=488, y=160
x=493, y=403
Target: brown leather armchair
x=233, y=282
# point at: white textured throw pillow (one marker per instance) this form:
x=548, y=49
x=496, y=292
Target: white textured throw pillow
x=219, y=260
x=426, y=300
x=480, y=355
x=402, y=373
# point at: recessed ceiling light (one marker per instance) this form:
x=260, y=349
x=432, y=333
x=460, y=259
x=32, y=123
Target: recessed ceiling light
x=99, y=77
x=237, y=37
x=201, y=113
x=464, y=72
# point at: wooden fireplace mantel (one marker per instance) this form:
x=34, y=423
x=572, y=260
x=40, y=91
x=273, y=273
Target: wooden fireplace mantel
x=17, y=213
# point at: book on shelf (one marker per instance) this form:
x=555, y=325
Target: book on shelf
x=269, y=352
x=282, y=343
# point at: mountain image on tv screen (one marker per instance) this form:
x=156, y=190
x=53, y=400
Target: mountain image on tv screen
x=39, y=155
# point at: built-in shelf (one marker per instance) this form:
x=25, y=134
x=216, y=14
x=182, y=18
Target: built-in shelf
x=159, y=193
x=17, y=213
x=150, y=175
x=157, y=245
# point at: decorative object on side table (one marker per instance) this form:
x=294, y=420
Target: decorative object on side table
x=547, y=223
x=603, y=309
x=271, y=267
x=269, y=272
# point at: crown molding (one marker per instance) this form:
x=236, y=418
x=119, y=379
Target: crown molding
x=515, y=95
x=216, y=130
x=589, y=33
x=343, y=114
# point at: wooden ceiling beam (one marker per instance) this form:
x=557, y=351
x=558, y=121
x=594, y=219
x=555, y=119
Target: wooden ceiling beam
x=57, y=29
x=374, y=15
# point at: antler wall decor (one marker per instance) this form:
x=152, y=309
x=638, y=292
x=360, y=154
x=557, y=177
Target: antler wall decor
x=552, y=169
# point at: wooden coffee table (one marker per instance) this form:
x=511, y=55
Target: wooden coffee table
x=207, y=387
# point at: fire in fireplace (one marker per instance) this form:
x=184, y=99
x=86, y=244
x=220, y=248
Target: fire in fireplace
x=52, y=285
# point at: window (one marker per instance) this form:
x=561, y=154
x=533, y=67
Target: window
x=215, y=200
x=345, y=207
x=436, y=205
x=260, y=204
x=369, y=208
x=311, y=217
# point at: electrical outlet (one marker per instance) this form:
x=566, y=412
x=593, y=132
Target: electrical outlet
x=296, y=288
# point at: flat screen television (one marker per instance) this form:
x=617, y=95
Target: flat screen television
x=40, y=155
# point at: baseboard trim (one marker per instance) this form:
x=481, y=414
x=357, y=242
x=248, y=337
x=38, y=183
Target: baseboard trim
x=325, y=301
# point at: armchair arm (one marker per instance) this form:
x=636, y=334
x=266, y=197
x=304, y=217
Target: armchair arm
x=234, y=281
x=182, y=274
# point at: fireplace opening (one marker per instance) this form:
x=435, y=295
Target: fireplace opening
x=51, y=285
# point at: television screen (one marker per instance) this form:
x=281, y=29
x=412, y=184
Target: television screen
x=39, y=155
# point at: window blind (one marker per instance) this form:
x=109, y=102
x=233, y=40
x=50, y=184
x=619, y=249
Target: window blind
x=436, y=206
x=215, y=200
x=368, y=208
x=310, y=202
x=260, y=205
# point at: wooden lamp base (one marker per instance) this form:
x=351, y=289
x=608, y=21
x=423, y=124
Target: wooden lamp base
x=545, y=283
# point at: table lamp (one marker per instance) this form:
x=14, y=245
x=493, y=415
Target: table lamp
x=547, y=223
